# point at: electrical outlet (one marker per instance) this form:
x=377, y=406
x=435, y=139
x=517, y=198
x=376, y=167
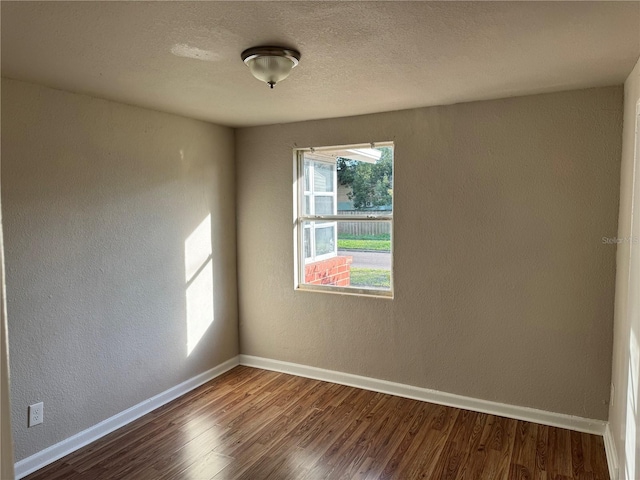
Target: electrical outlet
x=36, y=414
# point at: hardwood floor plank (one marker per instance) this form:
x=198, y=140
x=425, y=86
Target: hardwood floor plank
x=404, y=450
x=496, y=449
x=577, y=454
x=335, y=420
x=456, y=449
x=523, y=458
x=341, y=448
x=378, y=460
x=598, y=461
x=376, y=438
x=251, y=424
x=559, y=452
x=430, y=448
x=473, y=466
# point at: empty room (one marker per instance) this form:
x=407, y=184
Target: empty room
x=320, y=240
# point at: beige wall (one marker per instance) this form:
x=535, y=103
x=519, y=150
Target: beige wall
x=624, y=412
x=504, y=289
x=98, y=201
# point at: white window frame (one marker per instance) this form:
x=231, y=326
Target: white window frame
x=299, y=218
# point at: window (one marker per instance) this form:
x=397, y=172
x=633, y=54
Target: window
x=343, y=209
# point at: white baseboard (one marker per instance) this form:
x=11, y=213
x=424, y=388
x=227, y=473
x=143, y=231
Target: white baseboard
x=571, y=422
x=612, y=455
x=54, y=452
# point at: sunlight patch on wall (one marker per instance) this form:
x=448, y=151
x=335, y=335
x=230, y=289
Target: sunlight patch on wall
x=199, y=282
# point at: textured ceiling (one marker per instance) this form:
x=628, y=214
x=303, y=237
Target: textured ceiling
x=357, y=57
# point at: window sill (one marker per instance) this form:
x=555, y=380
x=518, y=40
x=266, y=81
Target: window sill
x=351, y=291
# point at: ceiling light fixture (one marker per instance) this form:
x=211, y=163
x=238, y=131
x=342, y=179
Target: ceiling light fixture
x=270, y=64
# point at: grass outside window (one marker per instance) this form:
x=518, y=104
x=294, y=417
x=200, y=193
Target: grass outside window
x=370, y=277
x=364, y=242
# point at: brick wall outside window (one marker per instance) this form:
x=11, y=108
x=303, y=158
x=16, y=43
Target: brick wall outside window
x=334, y=271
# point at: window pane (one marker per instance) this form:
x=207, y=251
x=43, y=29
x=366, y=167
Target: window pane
x=365, y=187
x=324, y=205
x=307, y=175
x=368, y=244
x=323, y=177
x=319, y=240
x=307, y=205
x=325, y=239
x=362, y=258
x=307, y=242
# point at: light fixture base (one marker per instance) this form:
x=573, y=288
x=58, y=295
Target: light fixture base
x=253, y=52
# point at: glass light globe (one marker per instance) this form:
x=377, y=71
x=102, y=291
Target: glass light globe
x=270, y=64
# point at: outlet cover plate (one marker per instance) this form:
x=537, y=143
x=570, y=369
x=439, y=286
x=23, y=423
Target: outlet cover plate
x=36, y=414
